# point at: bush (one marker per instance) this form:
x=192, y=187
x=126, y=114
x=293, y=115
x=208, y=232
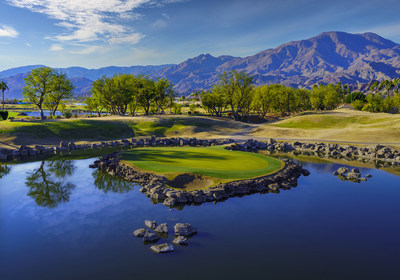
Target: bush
x=367, y=108
x=357, y=104
x=193, y=108
x=4, y=115
x=177, y=109
x=67, y=114
x=354, y=96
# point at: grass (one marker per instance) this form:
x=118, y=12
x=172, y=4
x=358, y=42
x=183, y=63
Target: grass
x=215, y=162
x=339, y=125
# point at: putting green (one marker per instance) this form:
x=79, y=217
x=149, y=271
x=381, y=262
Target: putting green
x=215, y=162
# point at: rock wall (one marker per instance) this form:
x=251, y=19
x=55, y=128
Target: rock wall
x=389, y=156
x=25, y=152
x=155, y=186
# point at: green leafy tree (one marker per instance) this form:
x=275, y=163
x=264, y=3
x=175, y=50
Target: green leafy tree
x=317, y=97
x=61, y=89
x=146, y=95
x=214, y=101
x=162, y=94
x=44, y=83
x=3, y=88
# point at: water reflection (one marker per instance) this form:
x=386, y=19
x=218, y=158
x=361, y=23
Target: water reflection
x=4, y=170
x=108, y=183
x=47, y=184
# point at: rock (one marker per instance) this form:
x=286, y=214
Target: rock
x=150, y=224
x=180, y=240
x=184, y=229
x=352, y=175
x=342, y=170
x=368, y=176
x=355, y=170
x=335, y=173
x=162, y=248
x=363, y=179
x=162, y=228
x=140, y=232
x=150, y=237
x=305, y=172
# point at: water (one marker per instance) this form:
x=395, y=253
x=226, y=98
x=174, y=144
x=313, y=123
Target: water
x=80, y=227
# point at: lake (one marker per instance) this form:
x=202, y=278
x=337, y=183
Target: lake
x=62, y=220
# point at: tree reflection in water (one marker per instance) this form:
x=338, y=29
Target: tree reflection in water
x=47, y=185
x=108, y=183
x=4, y=170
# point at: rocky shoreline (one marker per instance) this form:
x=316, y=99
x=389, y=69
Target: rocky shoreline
x=25, y=152
x=156, y=186
x=377, y=153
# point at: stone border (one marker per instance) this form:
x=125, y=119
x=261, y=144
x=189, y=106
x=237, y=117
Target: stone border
x=154, y=186
x=372, y=153
x=25, y=152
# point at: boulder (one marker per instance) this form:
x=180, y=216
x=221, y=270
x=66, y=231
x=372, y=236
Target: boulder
x=353, y=175
x=150, y=224
x=150, y=237
x=162, y=228
x=180, y=240
x=368, y=176
x=140, y=232
x=162, y=248
x=342, y=170
x=184, y=229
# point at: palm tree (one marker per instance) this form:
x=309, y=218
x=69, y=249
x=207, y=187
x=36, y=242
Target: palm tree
x=3, y=87
x=396, y=83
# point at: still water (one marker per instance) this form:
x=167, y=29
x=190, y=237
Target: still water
x=62, y=220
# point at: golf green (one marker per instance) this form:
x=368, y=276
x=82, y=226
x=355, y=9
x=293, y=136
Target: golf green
x=215, y=162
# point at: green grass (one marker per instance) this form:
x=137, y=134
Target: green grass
x=333, y=122
x=215, y=162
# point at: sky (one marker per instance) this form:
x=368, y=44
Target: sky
x=99, y=33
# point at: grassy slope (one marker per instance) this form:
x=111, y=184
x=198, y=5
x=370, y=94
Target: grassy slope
x=108, y=128
x=339, y=125
x=215, y=162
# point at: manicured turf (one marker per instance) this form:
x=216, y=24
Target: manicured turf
x=214, y=162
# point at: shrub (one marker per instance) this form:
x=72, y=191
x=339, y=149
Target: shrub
x=193, y=108
x=67, y=114
x=367, y=108
x=177, y=109
x=4, y=115
x=357, y=104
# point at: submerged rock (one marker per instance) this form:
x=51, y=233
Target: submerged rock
x=150, y=237
x=368, y=176
x=140, y=232
x=162, y=248
x=342, y=170
x=162, y=228
x=184, y=229
x=150, y=224
x=180, y=240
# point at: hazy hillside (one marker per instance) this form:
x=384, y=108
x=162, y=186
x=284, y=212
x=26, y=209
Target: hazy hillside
x=327, y=58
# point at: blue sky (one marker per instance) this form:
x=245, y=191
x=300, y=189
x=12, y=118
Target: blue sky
x=97, y=33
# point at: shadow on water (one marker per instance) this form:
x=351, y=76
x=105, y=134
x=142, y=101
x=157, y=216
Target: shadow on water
x=4, y=170
x=108, y=183
x=47, y=184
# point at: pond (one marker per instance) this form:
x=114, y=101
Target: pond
x=62, y=220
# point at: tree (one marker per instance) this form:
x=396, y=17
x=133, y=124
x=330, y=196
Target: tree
x=3, y=88
x=146, y=95
x=162, y=92
x=332, y=96
x=317, y=97
x=214, y=101
x=62, y=89
x=238, y=91
x=44, y=83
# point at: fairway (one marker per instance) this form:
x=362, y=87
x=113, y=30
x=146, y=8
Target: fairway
x=215, y=162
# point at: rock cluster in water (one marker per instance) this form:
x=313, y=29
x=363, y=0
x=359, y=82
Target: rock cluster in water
x=353, y=175
x=65, y=146
x=372, y=153
x=155, y=186
x=181, y=234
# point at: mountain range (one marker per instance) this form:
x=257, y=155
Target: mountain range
x=330, y=57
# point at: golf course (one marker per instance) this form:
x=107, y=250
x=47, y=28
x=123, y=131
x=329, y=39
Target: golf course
x=214, y=163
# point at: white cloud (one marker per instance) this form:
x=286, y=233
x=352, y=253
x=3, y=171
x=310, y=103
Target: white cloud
x=87, y=50
x=28, y=44
x=89, y=20
x=158, y=24
x=8, y=31
x=56, y=48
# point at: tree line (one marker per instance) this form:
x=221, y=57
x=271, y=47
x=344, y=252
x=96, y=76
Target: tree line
x=123, y=94
x=235, y=94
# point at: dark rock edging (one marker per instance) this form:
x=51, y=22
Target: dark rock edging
x=65, y=147
x=155, y=186
x=381, y=153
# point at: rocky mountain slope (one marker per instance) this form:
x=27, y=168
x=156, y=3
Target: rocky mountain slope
x=327, y=58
